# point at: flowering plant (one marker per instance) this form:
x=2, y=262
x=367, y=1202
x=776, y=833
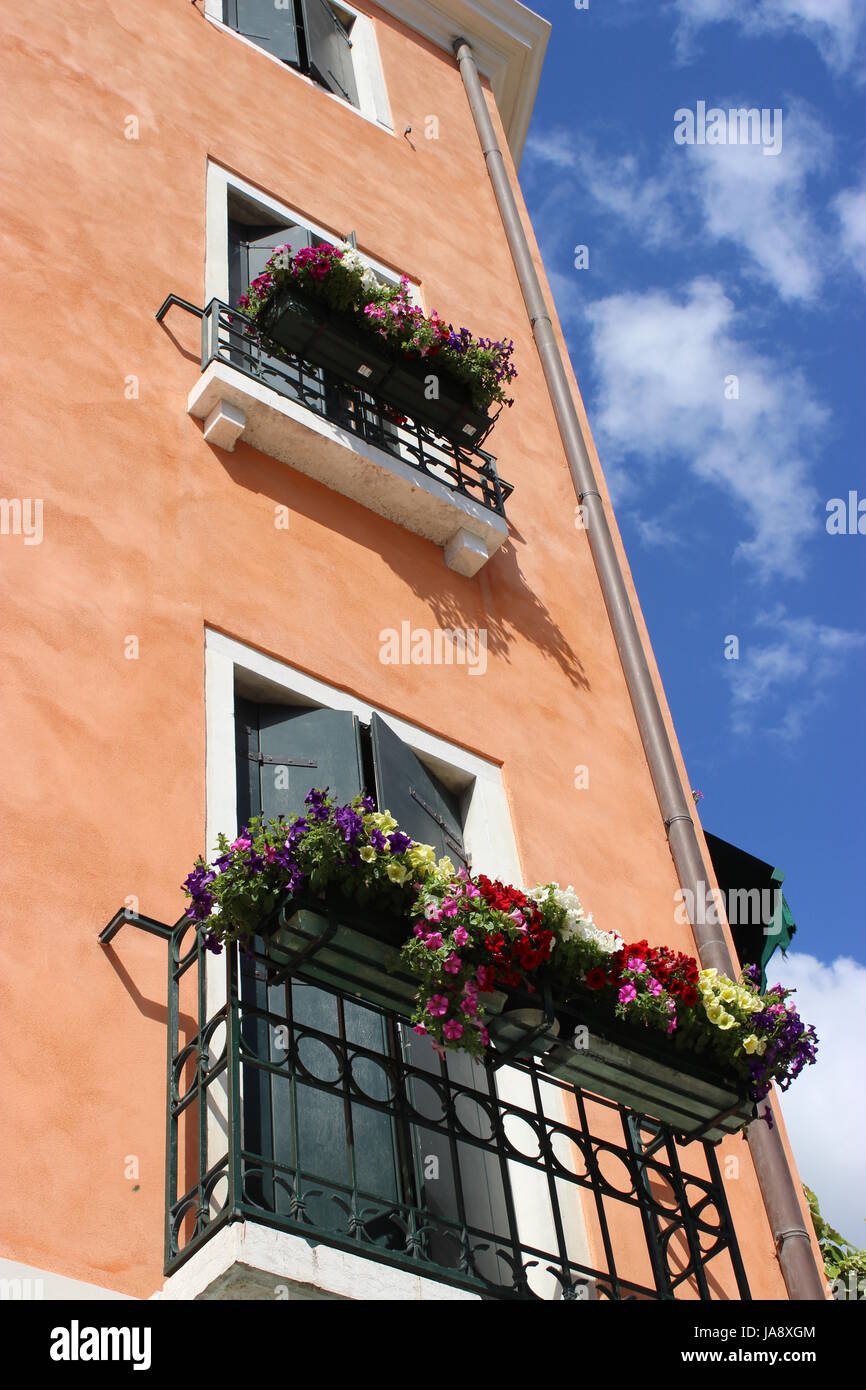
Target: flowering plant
x=470, y=934
x=339, y=277
x=354, y=849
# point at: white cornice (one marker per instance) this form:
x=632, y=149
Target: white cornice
x=509, y=42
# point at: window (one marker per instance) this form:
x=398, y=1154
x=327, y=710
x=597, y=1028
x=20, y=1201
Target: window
x=253, y=236
x=313, y=36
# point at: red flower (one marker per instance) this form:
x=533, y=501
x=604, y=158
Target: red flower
x=596, y=978
x=690, y=996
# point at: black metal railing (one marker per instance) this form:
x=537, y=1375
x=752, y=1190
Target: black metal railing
x=230, y=336
x=304, y=1110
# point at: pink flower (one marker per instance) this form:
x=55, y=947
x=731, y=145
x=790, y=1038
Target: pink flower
x=485, y=1036
x=453, y=964
x=627, y=994
x=449, y=907
x=469, y=1004
x=437, y=1005
x=654, y=986
x=418, y=930
x=485, y=975
x=419, y=1028
x=433, y=940
x=636, y=964
x=433, y=912
x=452, y=1030
x=461, y=936
x=242, y=842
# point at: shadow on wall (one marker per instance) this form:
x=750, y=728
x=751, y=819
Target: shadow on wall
x=455, y=602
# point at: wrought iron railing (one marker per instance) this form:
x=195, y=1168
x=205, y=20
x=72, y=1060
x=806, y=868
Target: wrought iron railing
x=230, y=336
x=306, y=1111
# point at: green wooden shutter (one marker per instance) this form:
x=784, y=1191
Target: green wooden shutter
x=329, y=49
x=250, y=248
x=427, y=811
x=283, y=751
x=269, y=23
x=420, y=804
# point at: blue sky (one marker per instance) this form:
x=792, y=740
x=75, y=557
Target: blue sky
x=709, y=262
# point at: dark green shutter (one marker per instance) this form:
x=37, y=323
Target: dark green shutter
x=283, y=751
x=250, y=248
x=426, y=810
x=422, y=807
x=329, y=49
x=269, y=23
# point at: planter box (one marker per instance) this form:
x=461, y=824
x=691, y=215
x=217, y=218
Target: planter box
x=324, y=338
x=321, y=336
x=674, y=1090
x=357, y=957
x=451, y=414
x=516, y=1032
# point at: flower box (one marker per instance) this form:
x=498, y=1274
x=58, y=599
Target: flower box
x=327, y=339
x=521, y=1032
x=627, y=1066
x=324, y=338
x=450, y=414
x=352, y=952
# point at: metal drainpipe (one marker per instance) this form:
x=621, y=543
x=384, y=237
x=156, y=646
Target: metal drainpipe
x=802, y=1277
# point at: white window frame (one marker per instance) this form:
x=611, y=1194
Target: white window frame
x=488, y=835
x=374, y=105
x=220, y=183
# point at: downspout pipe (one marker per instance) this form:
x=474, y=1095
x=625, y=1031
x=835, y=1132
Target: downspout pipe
x=802, y=1277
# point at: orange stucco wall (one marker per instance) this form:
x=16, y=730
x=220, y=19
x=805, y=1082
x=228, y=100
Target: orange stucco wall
x=150, y=532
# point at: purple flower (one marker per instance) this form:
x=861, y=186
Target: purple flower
x=349, y=823
x=399, y=842
x=377, y=840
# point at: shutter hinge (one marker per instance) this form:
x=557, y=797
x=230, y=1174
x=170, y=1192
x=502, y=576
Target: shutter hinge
x=260, y=758
x=453, y=842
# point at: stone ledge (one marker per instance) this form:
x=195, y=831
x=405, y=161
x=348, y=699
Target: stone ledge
x=234, y=406
x=246, y=1261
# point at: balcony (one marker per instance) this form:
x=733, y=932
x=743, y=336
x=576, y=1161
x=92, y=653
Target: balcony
x=317, y=1149
x=354, y=442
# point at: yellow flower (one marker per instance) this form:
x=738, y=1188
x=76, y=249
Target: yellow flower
x=728, y=993
x=750, y=1044
x=445, y=867
x=726, y=1021
x=714, y=1012
x=421, y=856
x=397, y=873
x=368, y=854
x=384, y=821
x=708, y=974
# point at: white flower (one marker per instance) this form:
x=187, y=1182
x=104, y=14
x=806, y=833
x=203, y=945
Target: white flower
x=578, y=923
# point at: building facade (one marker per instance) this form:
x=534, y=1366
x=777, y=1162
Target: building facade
x=223, y=564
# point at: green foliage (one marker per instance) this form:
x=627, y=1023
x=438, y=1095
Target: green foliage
x=841, y=1257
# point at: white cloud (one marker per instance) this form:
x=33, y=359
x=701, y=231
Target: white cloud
x=782, y=681
x=643, y=205
x=834, y=26
x=825, y=1108
x=761, y=203
x=850, y=208
x=765, y=206
x=662, y=363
